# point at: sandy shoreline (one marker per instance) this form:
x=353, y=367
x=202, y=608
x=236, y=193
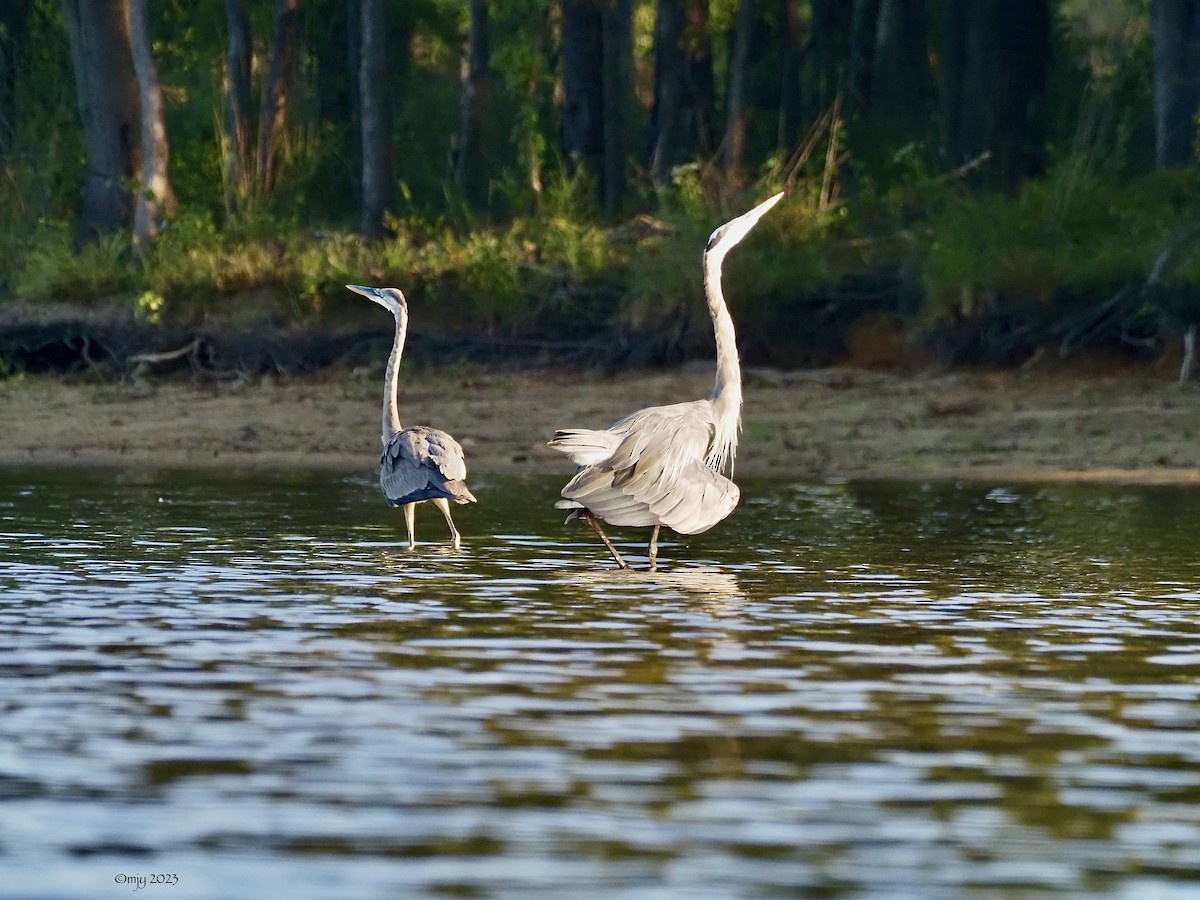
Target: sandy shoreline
x=1133, y=426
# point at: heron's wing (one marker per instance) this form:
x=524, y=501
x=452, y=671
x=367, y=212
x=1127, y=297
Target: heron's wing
x=584, y=446
x=422, y=463
x=656, y=475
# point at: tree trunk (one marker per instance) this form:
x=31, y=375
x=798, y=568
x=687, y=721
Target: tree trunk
x=617, y=94
x=238, y=104
x=861, y=70
x=666, y=113
x=900, y=76
x=700, y=88
x=735, y=101
x=583, y=93
x=14, y=19
x=469, y=172
x=995, y=67
x=789, y=81
x=106, y=91
x=156, y=196
x=1175, y=25
x=682, y=115
x=823, y=72
x=375, y=99
x=273, y=117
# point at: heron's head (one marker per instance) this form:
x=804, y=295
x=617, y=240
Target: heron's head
x=728, y=235
x=389, y=298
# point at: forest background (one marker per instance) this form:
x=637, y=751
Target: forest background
x=971, y=183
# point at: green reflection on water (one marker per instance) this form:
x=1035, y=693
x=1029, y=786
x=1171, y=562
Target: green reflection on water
x=964, y=676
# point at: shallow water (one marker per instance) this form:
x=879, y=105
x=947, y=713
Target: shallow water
x=247, y=682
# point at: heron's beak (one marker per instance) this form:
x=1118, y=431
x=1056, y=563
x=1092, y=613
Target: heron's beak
x=369, y=292
x=759, y=211
x=741, y=226
x=729, y=234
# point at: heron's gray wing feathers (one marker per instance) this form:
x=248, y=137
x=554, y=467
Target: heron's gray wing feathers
x=422, y=463
x=657, y=474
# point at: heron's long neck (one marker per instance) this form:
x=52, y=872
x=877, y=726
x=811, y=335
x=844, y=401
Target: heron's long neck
x=391, y=414
x=727, y=392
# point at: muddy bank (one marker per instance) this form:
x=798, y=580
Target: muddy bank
x=1135, y=425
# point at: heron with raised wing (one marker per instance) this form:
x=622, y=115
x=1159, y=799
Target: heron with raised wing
x=665, y=465
x=418, y=463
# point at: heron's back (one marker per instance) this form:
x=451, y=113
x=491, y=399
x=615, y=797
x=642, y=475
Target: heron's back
x=421, y=463
x=655, y=473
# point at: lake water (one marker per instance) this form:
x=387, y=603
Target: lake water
x=246, y=683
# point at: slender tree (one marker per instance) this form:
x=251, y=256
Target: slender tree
x=378, y=182
x=995, y=63
x=273, y=117
x=617, y=90
x=597, y=82
x=107, y=96
x=789, y=75
x=238, y=104
x=735, y=100
x=583, y=98
x=901, y=80
x=1175, y=26
x=14, y=21
x=156, y=196
x=469, y=174
x=682, y=115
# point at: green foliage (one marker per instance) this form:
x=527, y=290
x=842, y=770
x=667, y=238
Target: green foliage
x=866, y=195
x=1052, y=242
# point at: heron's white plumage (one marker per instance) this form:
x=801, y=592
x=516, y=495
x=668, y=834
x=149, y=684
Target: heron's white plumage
x=664, y=465
x=656, y=474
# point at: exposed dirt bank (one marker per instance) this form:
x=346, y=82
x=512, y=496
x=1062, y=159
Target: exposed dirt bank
x=1136, y=425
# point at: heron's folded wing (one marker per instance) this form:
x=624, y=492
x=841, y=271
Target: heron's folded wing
x=422, y=463
x=586, y=447
x=657, y=475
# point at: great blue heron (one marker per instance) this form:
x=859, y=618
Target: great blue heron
x=418, y=463
x=663, y=465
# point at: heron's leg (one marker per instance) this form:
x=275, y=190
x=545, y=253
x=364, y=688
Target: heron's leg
x=654, y=548
x=444, y=505
x=410, y=520
x=591, y=520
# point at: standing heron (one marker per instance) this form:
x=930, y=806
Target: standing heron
x=418, y=463
x=663, y=465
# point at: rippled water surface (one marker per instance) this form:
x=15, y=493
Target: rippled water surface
x=246, y=681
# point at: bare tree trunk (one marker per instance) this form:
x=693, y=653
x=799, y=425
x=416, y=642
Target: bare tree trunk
x=14, y=23
x=665, y=115
x=1175, y=25
x=617, y=93
x=900, y=82
x=375, y=99
x=273, y=117
x=700, y=89
x=156, y=195
x=682, y=115
x=788, y=131
x=995, y=67
x=823, y=76
x=862, y=43
x=583, y=96
x=106, y=91
x=237, y=103
x=469, y=172
x=735, y=103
